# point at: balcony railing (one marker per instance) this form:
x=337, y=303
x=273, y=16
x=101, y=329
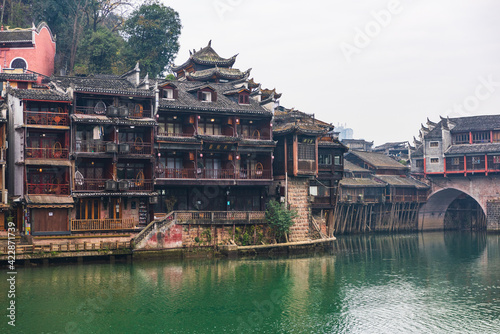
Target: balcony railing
x=255, y=137
x=48, y=189
x=120, y=186
x=219, y=217
x=101, y=224
x=45, y=118
x=140, y=148
x=135, y=113
x=173, y=134
x=216, y=174
x=46, y=153
x=137, y=185
x=90, y=184
x=91, y=146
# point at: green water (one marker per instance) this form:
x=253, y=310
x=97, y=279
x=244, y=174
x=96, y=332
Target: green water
x=430, y=283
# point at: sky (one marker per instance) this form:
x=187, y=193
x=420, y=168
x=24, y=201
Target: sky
x=380, y=67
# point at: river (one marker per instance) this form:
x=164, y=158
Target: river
x=418, y=283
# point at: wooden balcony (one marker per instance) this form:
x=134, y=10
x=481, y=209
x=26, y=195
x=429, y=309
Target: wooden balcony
x=90, y=184
x=91, y=146
x=173, y=134
x=141, y=148
x=47, y=189
x=104, y=111
x=120, y=186
x=214, y=174
x=46, y=153
x=138, y=185
x=102, y=224
x=219, y=217
x=255, y=137
x=46, y=118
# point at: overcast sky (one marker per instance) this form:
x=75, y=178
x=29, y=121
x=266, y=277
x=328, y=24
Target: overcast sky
x=380, y=66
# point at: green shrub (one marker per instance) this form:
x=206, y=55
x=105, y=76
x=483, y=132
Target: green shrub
x=280, y=219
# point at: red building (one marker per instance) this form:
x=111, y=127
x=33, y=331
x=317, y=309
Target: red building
x=30, y=50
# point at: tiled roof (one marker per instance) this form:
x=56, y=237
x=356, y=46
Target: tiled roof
x=435, y=133
x=289, y=120
x=334, y=143
x=206, y=56
x=187, y=99
x=218, y=72
x=82, y=118
x=101, y=84
x=475, y=123
x=350, y=167
x=473, y=149
x=361, y=182
x=377, y=160
x=39, y=94
x=399, y=181
x=400, y=144
x=18, y=76
x=16, y=36
x=418, y=153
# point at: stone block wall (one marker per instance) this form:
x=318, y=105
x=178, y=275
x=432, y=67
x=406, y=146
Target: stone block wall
x=493, y=215
x=298, y=192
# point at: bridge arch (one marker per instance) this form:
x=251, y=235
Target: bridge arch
x=449, y=204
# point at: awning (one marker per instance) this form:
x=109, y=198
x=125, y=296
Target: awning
x=49, y=201
x=48, y=162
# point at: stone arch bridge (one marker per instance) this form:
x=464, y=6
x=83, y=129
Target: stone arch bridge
x=484, y=190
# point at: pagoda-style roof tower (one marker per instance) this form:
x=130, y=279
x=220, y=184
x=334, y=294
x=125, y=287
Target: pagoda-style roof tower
x=207, y=65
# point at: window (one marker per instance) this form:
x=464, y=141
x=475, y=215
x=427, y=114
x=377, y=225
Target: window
x=481, y=137
x=22, y=85
x=168, y=93
x=461, y=138
x=338, y=160
x=476, y=160
x=244, y=99
x=206, y=96
x=210, y=127
x=455, y=161
x=19, y=63
x=434, y=144
x=434, y=160
x=496, y=159
x=307, y=152
x=88, y=209
x=325, y=159
x=419, y=163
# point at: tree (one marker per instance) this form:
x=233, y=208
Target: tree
x=98, y=52
x=280, y=219
x=152, y=34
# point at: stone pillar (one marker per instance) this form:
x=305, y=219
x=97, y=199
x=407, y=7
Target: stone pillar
x=298, y=191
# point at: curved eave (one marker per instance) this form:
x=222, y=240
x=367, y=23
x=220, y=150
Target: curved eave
x=164, y=107
x=113, y=92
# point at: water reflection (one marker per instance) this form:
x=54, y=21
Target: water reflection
x=436, y=283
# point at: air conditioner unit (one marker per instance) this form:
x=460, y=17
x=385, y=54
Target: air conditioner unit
x=111, y=148
x=110, y=185
x=123, y=185
x=112, y=111
x=124, y=148
x=123, y=111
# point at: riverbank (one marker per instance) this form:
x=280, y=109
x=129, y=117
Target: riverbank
x=123, y=250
